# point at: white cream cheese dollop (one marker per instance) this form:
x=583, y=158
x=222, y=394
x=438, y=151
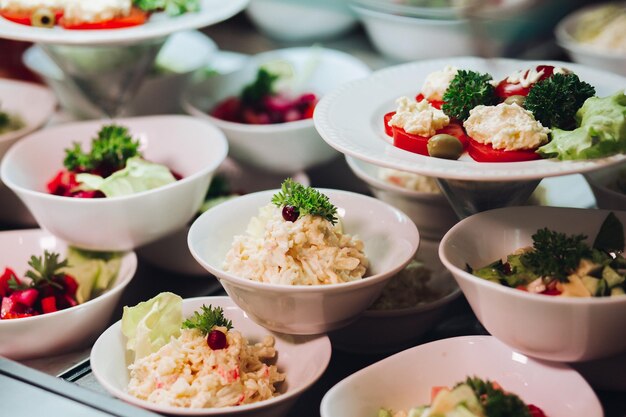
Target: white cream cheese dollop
x=436, y=83
x=418, y=118
x=506, y=126
x=526, y=78
x=31, y=5
x=78, y=11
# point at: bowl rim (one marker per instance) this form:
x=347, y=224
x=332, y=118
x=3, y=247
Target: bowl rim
x=354, y=164
x=322, y=339
x=364, y=282
x=121, y=281
x=218, y=156
x=459, y=273
x=565, y=39
x=361, y=10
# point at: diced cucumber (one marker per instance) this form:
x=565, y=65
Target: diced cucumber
x=590, y=283
x=612, y=278
x=615, y=291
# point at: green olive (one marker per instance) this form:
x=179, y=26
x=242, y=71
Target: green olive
x=445, y=146
x=43, y=18
x=519, y=100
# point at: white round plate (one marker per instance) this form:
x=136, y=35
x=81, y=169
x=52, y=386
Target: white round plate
x=350, y=119
x=159, y=25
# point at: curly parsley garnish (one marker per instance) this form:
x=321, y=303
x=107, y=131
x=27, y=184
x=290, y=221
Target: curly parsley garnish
x=261, y=87
x=44, y=271
x=555, y=254
x=207, y=319
x=467, y=90
x=171, y=7
x=495, y=401
x=555, y=100
x=306, y=200
x=109, y=151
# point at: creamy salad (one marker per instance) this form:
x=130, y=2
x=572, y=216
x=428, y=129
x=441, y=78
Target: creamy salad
x=604, y=28
x=409, y=180
x=201, y=363
x=297, y=240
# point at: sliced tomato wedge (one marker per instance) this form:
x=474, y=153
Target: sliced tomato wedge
x=485, y=153
x=386, y=119
x=435, y=103
x=135, y=18
x=506, y=89
x=419, y=144
x=24, y=18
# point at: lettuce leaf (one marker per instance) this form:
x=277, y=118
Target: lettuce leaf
x=138, y=175
x=93, y=271
x=150, y=325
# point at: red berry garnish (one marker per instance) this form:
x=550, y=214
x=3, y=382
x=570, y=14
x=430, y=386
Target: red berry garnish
x=216, y=340
x=291, y=213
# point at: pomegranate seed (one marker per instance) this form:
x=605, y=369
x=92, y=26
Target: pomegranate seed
x=291, y=213
x=216, y=340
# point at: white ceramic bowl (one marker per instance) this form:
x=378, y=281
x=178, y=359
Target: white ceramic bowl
x=588, y=55
x=601, y=183
x=108, y=362
x=404, y=380
x=431, y=213
x=54, y=333
x=300, y=21
x=172, y=253
x=552, y=328
x=283, y=147
x=389, y=236
x=401, y=328
x=186, y=145
x=182, y=55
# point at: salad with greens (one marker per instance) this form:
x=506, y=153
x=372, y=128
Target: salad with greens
x=565, y=265
x=113, y=167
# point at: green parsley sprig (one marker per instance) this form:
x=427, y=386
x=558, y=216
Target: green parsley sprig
x=262, y=86
x=555, y=254
x=44, y=272
x=467, y=90
x=171, y=7
x=306, y=200
x=495, y=401
x=110, y=149
x=555, y=100
x=208, y=318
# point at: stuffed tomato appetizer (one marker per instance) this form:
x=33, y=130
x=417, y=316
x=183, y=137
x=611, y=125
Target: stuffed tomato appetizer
x=113, y=167
x=534, y=113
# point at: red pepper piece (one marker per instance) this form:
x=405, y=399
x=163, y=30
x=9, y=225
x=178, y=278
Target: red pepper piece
x=25, y=297
x=7, y=275
x=48, y=305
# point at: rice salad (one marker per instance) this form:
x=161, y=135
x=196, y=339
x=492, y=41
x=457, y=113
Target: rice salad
x=306, y=249
x=204, y=364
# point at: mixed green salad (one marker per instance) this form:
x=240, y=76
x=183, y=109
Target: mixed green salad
x=562, y=265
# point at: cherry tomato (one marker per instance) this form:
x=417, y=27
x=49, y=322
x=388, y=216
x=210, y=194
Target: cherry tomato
x=419, y=144
x=24, y=18
x=506, y=89
x=135, y=18
x=435, y=103
x=535, y=411
x=485, y=153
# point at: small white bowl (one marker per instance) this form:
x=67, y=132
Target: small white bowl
x=601, y=182
x=282, y=147
x=186, y=145
x=182, y=55
x=172, y=253
x=431, y=213
x=404, y=380
x=588, y=55
x=300, y=21
x=552, y=328
x=108, y=362
x=401, y=328
x=54, y=333
x=390, y=239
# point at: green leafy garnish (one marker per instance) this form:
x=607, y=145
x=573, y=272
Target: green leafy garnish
x=467, y=90
x=306, y=200
x=109, y=151
x=610, y=237
x=207, y=319
x=555, y=254
x=555, y=100
x=495, y=401
x=252, y=94
x=171, y=7
x=45, y=271
x=4, y=119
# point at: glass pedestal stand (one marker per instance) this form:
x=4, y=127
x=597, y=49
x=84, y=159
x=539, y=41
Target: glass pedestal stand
x=471, y=197
x=107, y=75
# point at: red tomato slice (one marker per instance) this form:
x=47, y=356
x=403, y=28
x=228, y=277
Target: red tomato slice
x=419, y=144
x=386, y=119
x=435, y=103
x=24, y=18
x=485, y=153
x=535, y=411
x=506, y=89
x=135, y=18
